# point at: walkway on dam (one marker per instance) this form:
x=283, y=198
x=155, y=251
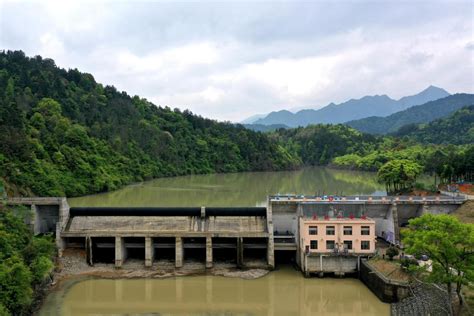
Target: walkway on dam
x=436, y=199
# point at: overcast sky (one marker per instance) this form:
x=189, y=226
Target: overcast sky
x=229, y=61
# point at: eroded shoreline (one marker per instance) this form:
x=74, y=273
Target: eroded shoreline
x=73, y=264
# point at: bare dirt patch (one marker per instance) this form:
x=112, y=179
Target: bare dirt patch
x=390, y=269
x=465, y=213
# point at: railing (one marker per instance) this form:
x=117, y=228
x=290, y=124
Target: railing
x=364, y=198
x=283, y=237
x=334, y=251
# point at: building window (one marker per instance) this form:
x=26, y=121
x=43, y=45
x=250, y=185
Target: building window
x=365, y=230
x=365, y=245
x=347, y=230
x=330, y=230
x=313, y=230
x=330, y=244
x=313, y=244
x=348, y=244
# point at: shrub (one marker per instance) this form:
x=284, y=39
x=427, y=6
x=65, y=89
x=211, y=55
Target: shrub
x=392, y=252
x=419, y=186
x=406, y=263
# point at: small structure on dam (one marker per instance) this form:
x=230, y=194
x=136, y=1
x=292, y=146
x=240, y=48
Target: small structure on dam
x=302, y=228
x=334, y=244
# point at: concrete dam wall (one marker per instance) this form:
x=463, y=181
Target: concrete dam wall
x=211, y=233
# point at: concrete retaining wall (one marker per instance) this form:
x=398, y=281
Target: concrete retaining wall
x=386, y=290
x=331, y=264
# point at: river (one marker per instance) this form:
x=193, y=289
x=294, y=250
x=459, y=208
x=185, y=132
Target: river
x=282, y=292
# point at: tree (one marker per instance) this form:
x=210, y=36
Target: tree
x=449, y=244
x=399, y=174
x=392, y=252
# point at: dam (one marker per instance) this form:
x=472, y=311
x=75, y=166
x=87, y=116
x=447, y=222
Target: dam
x=320, y=233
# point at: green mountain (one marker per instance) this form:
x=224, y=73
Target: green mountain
x=458, y=128
x=417, y=114
x=62, y=133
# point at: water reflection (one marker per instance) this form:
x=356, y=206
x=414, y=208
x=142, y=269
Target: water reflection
x=283, y=292
x=237, y=189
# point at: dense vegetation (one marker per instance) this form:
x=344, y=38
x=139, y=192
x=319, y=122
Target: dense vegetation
x=61, y=133
x=398, y=160
x=264, y=128
x=446, y=162
x=417, y=114
x=25, y=261
x=457, y=128
x=319, y=144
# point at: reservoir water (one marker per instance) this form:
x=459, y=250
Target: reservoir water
x=282, y=292
x=236, y=189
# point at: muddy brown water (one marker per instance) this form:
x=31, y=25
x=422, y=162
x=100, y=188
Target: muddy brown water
x=282, y=292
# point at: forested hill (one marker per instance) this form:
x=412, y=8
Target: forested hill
x=319, y=144
x=417, y=114
x=458, y=128
x=264, y=128
x=62, y=133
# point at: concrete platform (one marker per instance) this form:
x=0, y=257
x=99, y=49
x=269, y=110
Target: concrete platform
x=156, y=226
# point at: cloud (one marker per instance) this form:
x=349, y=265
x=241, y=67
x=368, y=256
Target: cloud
x=177, y=58
x=51, y=45
x=232, y=60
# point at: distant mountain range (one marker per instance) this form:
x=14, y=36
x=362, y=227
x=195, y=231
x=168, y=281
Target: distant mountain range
x=457, y=128
x=378, y=105
x=417, y=114
x=253, y=118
